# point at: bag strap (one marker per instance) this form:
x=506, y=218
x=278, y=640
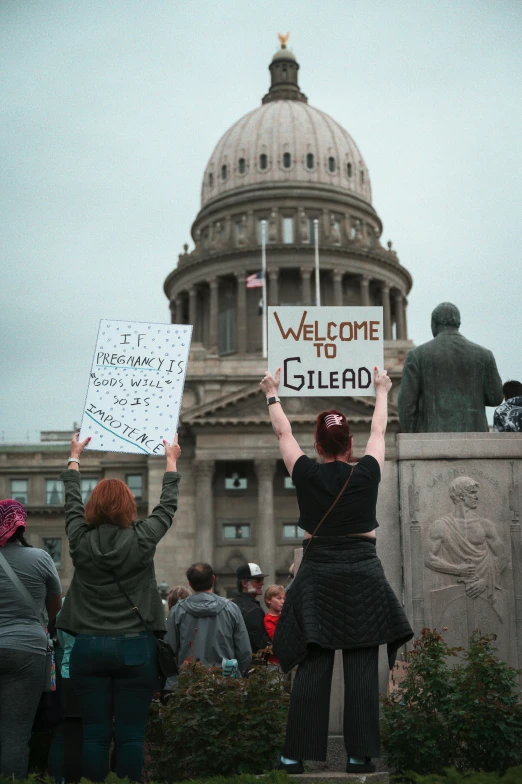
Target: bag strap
x=343, y=488
x=134, y=607
x=4, y=564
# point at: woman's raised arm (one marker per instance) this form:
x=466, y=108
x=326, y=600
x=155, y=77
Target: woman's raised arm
x=290, y=449
x=375, y=445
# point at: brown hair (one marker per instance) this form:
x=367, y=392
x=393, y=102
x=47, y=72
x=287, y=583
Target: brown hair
x=273, y=590
x=176, y=594
x=111, y=502
x=335, y=440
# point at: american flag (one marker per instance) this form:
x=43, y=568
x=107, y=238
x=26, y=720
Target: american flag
x=254, y=281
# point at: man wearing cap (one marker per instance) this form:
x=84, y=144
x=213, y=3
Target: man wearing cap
x=250, y=581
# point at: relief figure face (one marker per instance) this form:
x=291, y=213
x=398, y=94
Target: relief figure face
x=469, y=496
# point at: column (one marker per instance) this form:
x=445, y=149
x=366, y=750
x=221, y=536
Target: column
x=365, y=289
x=306, y=291
x=404, y=319
x=251, y=228
x=338, y=287
x=173, y=311
x=192, y=309
x=386, y=311
x=204, y=545
x=399, y=315
x=179, y=310
x=213, y=325
x=273, y=298
x=241, y=314
x=266, y=534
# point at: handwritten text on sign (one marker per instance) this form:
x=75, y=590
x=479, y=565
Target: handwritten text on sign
x=136, y=385
x=324, y=350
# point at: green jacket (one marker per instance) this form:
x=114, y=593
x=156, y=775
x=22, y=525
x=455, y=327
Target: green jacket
x=95, y=603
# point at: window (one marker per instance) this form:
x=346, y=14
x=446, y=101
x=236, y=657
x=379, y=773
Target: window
x=135, y=485
x=311, y=229
x=260, y=230
x=292, y=531
x=19, y=490
x=242, y=166
x=88, y=486
x=227, y=331
x=287, y=160
x=362, y=177
x=211, y=180
x=288, y=484
x=236, y=531
x=284, y=74
x=53, y=492
x=288, y=230
x=224, y=172
x=234, y=481
x=54, y=548
x=310, y=161
x=349, y=169
x=263, y=161
x=331, y=164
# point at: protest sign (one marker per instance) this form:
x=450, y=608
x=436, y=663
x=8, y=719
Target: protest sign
x=325, y=350
x=136, y=385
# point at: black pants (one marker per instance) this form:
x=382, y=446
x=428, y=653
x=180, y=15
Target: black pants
x=307, y=729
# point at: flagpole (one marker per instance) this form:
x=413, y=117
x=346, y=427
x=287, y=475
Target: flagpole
x=317, y=281
x=263, y=273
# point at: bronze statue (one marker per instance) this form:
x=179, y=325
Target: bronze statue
x=447, y=382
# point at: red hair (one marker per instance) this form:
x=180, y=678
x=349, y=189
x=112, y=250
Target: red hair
x=111, y=502
x=334, y=440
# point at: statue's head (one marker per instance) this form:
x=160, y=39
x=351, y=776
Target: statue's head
x=444, y=315
x=464, y=489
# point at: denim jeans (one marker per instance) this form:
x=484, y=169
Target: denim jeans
x=114, y=678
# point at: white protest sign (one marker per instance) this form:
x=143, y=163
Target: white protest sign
x=324, y=350
x=136, y=385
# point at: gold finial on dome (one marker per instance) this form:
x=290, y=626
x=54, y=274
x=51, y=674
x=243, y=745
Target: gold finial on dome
x=283, y=39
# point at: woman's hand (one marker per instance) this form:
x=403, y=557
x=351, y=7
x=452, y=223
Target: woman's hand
x=78, y=446
x=270, y=385
x=381, y=381
x=172, y=452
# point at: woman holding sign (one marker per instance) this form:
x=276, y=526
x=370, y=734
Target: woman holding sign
x=113, y=664
x=340, y=598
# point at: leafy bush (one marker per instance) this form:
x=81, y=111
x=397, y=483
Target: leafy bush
x=212, y=725
x=274, y=777
x=452, y=776
x=469, y=717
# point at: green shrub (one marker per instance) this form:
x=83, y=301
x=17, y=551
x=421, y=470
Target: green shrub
x=213, y=725
x=469, y=717
x=452, y=776
x=275, y=777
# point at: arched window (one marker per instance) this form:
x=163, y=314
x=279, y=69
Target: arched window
x=362, y=177
x=331, y=163
x=224, y=172
x=287, y=160
x=263, y=161
x=310, y=161
x=242, y=166
x=211, y=180
x=349, y=169
x=284, y=74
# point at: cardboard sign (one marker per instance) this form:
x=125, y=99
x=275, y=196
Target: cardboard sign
x=324, y=350
x=136, y=385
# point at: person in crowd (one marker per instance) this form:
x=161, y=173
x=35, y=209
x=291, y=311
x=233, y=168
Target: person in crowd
x=207, y=627
x=508, y=416
x=340, y=598
x=176, y=594
x=30, y=594
x=250, y=582
x=113, y=665
x=274, y=600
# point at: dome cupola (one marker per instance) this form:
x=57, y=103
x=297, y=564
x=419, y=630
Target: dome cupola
x=283, y=71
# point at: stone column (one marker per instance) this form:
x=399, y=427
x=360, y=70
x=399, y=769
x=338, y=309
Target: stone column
x=365, y=289
x=266, y=534
x=213, y=321
x=306, y=291
x=179, y=310
x=204, y=546
x=386, y=311
x=241, y=314
x=251, y=228
x=173, y=311
x=399, y=315
x=326, y=225
x=338, y=287
x=273, y=291
x=192, y=308
x=404, y=318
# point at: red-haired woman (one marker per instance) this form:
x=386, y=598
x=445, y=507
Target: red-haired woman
x=113, y=662
x=340, y=598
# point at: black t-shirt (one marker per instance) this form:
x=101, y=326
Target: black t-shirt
x=318, y=485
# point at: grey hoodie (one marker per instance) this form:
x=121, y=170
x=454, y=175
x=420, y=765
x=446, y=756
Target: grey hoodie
x=214, y=626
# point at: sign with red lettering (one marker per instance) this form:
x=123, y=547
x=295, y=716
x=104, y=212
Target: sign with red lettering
x=324, y=350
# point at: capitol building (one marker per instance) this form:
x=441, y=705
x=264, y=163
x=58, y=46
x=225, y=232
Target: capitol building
x=294, y=167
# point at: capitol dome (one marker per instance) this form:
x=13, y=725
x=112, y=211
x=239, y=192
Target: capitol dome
x=285, y=141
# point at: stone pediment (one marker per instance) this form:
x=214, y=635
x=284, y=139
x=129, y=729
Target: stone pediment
x=246, y=406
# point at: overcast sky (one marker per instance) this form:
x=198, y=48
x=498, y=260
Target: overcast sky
x=110, y=111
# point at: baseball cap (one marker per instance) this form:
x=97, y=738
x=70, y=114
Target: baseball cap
x=249, y=571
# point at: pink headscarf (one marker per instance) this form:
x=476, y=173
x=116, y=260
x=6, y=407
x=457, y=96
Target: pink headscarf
x=12, y=516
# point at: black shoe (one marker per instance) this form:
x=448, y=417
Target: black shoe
x=365, y=767
x=294, y=767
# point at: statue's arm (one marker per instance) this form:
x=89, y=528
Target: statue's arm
x=492, y=383
x=433, y=561
x=409, y=392
x=496, y=545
